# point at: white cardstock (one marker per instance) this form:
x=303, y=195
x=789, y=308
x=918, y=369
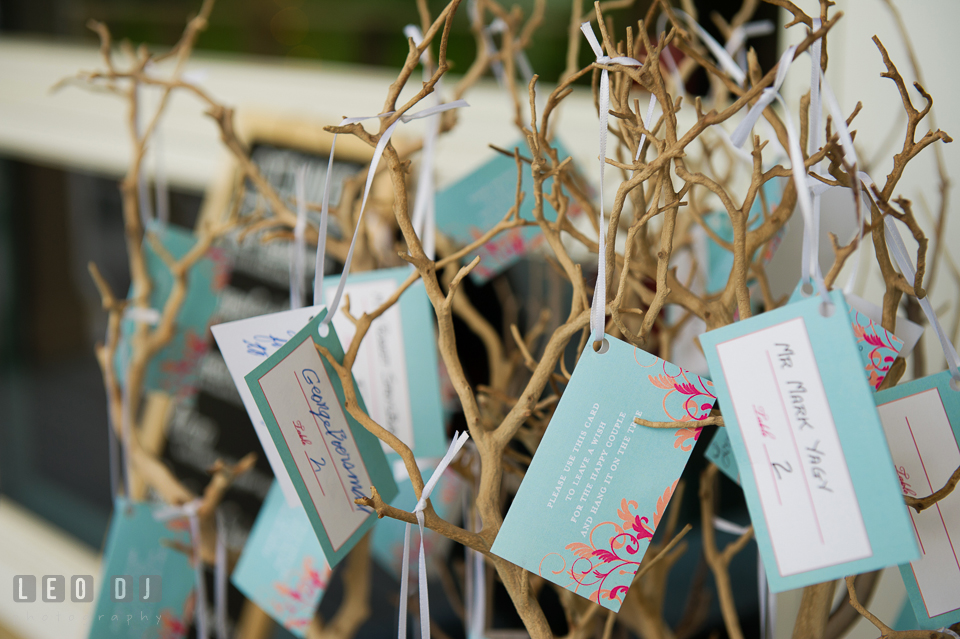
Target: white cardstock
x=381, y=365
x=316, y=432
x=925, y=453
x=244, y=345
x=806, y=493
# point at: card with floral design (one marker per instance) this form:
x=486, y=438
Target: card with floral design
x=823, y=497
x=175, y=368
x=282, y=569
x=599, y=484
x=921, y=420
x=147, y=581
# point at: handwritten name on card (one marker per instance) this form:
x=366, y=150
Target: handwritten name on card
x=924, y=447
x=808, y=499
x=315, y=430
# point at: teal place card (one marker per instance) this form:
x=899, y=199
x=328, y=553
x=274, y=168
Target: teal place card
x=397, y=364
x=147, y=582
x=921, y=420
x=283, y=569
x=330, y=457
x=878, y=349
x=471, y=206
x=719, y=259
x=822, y=493
x=386, y=543
x=174, y=369
x=599, y=484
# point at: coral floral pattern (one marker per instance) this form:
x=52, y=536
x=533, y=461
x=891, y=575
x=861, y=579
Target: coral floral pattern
x=298, y=603
x=602, y=569
x=687, y=398
x=174, y=627
x=878, y=347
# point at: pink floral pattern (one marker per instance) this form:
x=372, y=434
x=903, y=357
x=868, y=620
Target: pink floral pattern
x=297, y=603
x=602, y=570
x=878, y=347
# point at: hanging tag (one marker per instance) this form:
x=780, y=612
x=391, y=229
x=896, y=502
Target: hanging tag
x=719, y=260
x=471, y=206
x=396, y=368
x=598, y=484
x=147, y=582
x=174, y=368
x=808, y=443
x=331, y=458
x=921, y=420
x=244, y=345
x=386, y=542
x=282, y=569
x=908, y=332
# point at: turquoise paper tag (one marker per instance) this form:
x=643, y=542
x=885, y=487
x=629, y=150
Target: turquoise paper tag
x=470, y=207
x=396, y=368
x=823, y=497
x=330, y=457
x=878, y=349
x=174, y=369
x=599, y=484
x=156, y=577
x=921, y=420
x=282, y=568
x=386, y=544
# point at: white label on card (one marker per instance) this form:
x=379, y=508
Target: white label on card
x=318, y=436
x=925, y=453
x=381, y=365
x=808, y=500
x=244, y=345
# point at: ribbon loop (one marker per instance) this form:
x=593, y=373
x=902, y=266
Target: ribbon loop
x=767, y=96
x=299, y=242
x=455, y=446
x=371, y=171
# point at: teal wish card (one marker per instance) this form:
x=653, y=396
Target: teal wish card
x=720, y=452
x=330, y=457
x=282, y=569
x=814, y=464
x=473, y=205
x=147, y=582
x=396, y=366
x=921, y=420
x=599, y=484
x=174, y=369
x=386, y=543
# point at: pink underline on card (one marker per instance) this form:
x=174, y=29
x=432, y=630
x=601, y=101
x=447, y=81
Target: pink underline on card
x=772, y=476
x=324, y=439
x=924, y=466
x=793, y=437
x=310, y=461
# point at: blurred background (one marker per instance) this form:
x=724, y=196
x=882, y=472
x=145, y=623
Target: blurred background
x=62, y=154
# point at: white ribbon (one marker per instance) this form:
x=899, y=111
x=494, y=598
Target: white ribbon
x=149, y=316
x=724, y=525
x=377, y=153
x=475, y=573
x=299, y=242
x=738, y=38
x=767, y=96
x=455, y=446
x=190, y=510
x=810, y=249
x=220, y=579
x=598, y=307
x=424, y=206
x=947, y=631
